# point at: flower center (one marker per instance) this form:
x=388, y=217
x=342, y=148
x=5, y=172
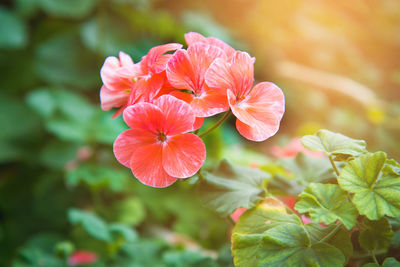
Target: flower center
x=161, y=137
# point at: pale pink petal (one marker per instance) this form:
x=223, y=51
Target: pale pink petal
x=119, y=74
x=183, y=155
x=260, y=112
x=112, y=99
x=128, y=141
x=146, y=165
x=144, y=116
x=155, y=61
x=236, y=75
x=178, y=115
x=194, y=37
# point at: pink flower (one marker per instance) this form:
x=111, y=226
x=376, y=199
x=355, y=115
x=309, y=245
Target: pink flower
x=258, y=109
x=186, y=70
x=126, y=83
x=82, y=257
x=292, y=149
x=118, y=77
x=158, y=147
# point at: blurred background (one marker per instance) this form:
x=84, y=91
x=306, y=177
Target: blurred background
x=63, y=196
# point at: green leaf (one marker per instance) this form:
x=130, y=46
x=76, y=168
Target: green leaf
x=375, y=234
x=93, y=224
x=391, y=167
x=60, y=60
x=307, y=169
x=340, y=239
x=230, y=187
x=13, y=32
x=126, y=232
x=130, y=211
x=334, y=144
x=375, y=194
x=68, y=8
x=267, y=236
x=391, y=262
x=327, y=203
x=98, y=177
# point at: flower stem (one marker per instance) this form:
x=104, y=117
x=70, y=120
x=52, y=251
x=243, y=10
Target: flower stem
x=216, y=124
x=333, y=165
x=374, y=257
x=331, y=233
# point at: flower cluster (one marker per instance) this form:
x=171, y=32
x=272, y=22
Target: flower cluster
x=168, y=94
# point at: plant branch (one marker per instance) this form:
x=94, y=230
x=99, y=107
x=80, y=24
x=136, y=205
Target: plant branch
x=218, y=123
x=374, y=257
x=333, y=165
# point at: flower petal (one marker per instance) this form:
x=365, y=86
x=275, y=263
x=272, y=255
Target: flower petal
x=146, y=165
x=198, y=123
x=146, y=89
x=118, y=74
x=260, y=112
x=236, y=75
x=155, y=61
x=128, y=141
x=186, y=69
x=194, y=37
x=183, y=155
x=144, y=116
x=208, y=104
x=112, y=99
x=178, y=115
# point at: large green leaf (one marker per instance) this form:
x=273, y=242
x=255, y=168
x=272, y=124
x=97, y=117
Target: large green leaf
x=327, y=203
x=267, y=236
x=375, y=235
x=375, y=194
x=334, y=144
x=230, y=187
x=93, y=224
x=13, y=33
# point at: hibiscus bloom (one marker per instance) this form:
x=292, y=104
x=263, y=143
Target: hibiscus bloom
x=186, y=70
x=126, y=83
x=82, y=257
x=158, y=147
x=258, y=109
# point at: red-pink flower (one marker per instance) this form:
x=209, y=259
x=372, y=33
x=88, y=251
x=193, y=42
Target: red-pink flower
x=82, y=257
x=158, y=147
x=126, y=83
x=186, y=70
x=292, y=149
x=258, y=109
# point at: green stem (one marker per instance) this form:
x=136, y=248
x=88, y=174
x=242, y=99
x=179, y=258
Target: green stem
x=216, y=124
x=333, y=165
x=330, y=234
x=374, y=257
